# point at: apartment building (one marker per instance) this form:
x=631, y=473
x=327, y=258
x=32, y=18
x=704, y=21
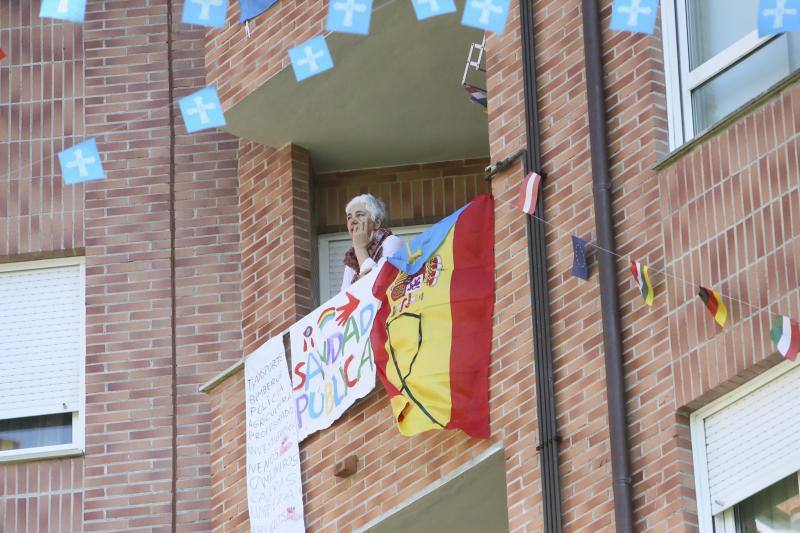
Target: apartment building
x=128, y=303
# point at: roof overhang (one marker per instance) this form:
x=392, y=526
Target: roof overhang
x=393, y=97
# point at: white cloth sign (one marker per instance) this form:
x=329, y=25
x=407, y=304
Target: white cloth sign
x=274, y=488
x=332, y=362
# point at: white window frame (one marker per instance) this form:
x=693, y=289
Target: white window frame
x=78, y=444
x=324, y=257
x=681, y=81
x=724, y=521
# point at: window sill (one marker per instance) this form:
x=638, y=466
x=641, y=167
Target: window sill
x=714, y=129
x=45, y=452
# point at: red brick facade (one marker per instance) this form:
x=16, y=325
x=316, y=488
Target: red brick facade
x=200, y=247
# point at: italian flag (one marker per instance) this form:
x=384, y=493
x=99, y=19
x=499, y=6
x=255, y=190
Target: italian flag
x=641, y=276
x=786, y=336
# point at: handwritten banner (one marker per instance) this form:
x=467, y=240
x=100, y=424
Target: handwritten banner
x=332, y=362
x=274, y=489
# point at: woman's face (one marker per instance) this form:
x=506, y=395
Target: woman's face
x=358, y=217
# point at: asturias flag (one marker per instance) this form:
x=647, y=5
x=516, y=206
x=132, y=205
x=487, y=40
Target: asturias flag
x=433, y=333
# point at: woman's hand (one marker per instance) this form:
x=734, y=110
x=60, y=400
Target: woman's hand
x=361, y=236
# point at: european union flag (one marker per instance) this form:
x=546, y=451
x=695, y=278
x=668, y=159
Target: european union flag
x=349, y=16
x=634, y=15
x=249, y=9
x=489, y=15
x=778, y=16
x=202, y=110
x=580, y=268
x=431, y=8
x=81, y=163
x=209, y=13
x=71, y=10
x=310, y=58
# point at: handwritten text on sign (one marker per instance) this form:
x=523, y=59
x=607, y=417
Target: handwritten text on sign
x=274, y=489
x=332, y=362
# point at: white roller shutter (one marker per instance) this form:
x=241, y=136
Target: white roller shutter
x=332, y=248
x=752, y=442
x=42, y=342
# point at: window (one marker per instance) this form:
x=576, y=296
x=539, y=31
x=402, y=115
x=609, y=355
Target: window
x=332, y=248
x=746, y=457
x=42, y=358
x=715, y=62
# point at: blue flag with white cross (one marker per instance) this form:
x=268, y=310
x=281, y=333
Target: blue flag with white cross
x=431, y=8
x=778, y=16
x=310, y=58
x=349, y=16
x=202, y=110
x=488, y=15
x=249, y=9
x=208, y=13
x=70, y=10
x=638, y=16
x=81, y=163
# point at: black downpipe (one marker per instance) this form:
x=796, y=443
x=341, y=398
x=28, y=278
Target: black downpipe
x=609, y=301
x=540, y=299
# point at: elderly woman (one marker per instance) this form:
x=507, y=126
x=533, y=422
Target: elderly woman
x=372, y=240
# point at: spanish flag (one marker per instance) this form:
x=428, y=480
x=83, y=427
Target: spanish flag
x=713, y=301
x=433, y=333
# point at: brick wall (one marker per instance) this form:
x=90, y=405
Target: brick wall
x=144, y=425
x=41, y=112
x=414, y=194
x=719, y=214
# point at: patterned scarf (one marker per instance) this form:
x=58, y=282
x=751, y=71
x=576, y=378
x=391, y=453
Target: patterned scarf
x=373, y=249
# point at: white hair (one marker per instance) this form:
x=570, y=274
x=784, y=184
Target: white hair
x=373, y=206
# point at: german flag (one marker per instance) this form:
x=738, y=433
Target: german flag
x=713, y=302
x=433, y=333
x=641, y=275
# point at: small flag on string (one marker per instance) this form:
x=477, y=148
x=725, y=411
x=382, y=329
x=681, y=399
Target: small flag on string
x=580, y=268
x=202, y=110
x=431, y=8
x=489, y=15
x=70, y=10
x=715, y=305
x=529, y=193
x=81, y=163
x=778, y=16
x=641, y=275
x=786, y=336
x=310, y=58
x=2, y=54
x=209, y=13
x=638, y=16
x=349, y=16
x=249, y=9
x=477, y=95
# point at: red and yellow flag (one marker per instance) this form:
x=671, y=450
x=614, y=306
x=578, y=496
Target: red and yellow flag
x=433, y=333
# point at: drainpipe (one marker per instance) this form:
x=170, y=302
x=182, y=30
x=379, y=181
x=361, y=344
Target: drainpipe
x=609, y=301
x=540, y=300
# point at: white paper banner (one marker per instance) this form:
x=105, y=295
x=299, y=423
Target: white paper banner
x=274, y=487
x=332, y=362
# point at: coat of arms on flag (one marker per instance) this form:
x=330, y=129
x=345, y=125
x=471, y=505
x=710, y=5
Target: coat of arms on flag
x=713, y=302
x=641, y=275
x=433, y=332
x=786, y=336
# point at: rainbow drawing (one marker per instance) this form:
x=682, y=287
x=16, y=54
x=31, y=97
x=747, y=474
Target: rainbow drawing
x=326, y=315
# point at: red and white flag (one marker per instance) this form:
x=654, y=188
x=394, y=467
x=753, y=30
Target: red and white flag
x=529, y=193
